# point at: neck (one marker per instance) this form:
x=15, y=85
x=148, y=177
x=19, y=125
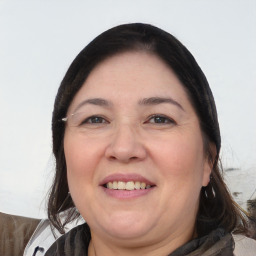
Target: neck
x=162, y=247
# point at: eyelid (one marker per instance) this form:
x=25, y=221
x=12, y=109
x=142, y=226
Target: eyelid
x=170, y=120
x=86, y=120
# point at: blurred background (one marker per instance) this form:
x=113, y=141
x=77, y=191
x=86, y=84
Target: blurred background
x=40, y=38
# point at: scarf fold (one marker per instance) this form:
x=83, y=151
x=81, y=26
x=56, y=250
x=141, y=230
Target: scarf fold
x=76, y=242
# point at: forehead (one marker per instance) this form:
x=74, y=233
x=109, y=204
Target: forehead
x=130, y=77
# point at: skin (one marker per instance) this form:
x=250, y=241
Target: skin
x=129, y=140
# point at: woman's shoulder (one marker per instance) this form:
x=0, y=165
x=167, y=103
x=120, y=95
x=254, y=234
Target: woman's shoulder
x=244, y=246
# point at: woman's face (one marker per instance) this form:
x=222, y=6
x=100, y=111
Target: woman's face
x=134, y=126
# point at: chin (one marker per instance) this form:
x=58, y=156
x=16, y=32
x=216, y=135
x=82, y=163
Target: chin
x=127, y=233
x=127, y=226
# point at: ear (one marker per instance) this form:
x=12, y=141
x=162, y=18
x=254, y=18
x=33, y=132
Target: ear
x=208, y=164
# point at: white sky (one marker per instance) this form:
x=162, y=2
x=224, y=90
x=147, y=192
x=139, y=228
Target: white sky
x=40, y=38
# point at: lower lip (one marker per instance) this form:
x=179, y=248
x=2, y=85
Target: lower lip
x=126, y=194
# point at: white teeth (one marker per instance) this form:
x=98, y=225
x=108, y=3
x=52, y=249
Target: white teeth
x=121, y=185
x=114, y=184
x=137, y=185
x=142, y=185
x=110, y=185
x=130, y=185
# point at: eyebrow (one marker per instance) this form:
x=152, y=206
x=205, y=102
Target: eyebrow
x=94, y=101
x=160, y=100
x=146, y=102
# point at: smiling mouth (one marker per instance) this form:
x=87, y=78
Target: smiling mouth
x=130, y=185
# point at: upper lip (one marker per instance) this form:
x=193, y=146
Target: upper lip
x=125, y=178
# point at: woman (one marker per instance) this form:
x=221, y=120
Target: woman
x=136, y=140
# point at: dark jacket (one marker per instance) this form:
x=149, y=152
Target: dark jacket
x=15, y=232
x=76, y=242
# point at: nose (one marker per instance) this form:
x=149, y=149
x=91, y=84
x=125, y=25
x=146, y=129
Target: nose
x=126, y=145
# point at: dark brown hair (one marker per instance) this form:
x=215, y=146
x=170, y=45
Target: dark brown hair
x=216, y=209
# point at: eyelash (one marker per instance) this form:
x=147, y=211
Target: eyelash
x=167, y=120
x=87, y=120
x=162, y=118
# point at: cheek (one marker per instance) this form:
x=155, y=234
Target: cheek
x=180, y=159
x=180, y=162
x=81, y=160
x=80, y=153
x=179, y=154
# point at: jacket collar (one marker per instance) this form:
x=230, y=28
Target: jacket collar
x=76, y=242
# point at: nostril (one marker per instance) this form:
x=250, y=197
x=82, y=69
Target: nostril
x=112, y=158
